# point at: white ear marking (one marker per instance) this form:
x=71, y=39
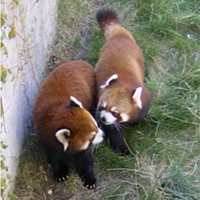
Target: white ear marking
x=113, y=77
x=137, y=97
x=61, y=136
x=76, y=101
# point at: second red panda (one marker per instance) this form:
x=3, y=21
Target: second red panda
x=122, y=96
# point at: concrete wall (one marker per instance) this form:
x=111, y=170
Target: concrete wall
x=28, y=50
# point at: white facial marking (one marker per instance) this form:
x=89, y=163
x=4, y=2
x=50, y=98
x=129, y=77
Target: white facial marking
x=137, y=97
x=124, y=117
x=104, y=104
x=76, y=101
x=113, y=77
x=61, y=136
x=85, y=146
x=108, y=117
x=93, y=133
x=98, y=137
x=113, y=109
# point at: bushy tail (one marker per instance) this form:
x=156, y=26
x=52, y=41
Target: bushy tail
x=106, y=17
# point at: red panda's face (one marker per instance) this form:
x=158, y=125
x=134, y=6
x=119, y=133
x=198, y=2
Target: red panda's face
x=79, y=130
x=114, y=107
x=118, y=104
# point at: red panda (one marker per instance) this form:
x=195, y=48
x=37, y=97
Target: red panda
x=63, y=122
x=122, y=96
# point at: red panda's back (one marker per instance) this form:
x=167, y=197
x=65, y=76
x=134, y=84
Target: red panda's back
x=62, y=83
x=74, y=78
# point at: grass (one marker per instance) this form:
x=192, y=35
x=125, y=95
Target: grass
x=165, y=160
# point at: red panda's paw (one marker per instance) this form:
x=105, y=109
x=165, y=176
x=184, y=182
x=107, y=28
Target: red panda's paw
x=90, y=183
x=61, y=178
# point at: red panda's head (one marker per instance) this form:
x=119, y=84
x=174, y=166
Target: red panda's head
x=76, y=129
x=118, y=102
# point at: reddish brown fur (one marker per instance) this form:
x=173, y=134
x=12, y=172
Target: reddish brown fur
x=120, y=55
x=51, y=111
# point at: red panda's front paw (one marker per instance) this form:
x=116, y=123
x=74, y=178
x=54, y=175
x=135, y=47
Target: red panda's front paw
x=61, y=178
x=90, y=183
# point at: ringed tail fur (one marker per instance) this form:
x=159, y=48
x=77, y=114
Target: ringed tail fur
x=106, y=17
x=109, y=24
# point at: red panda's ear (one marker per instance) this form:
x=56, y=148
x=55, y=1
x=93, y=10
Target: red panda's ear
x=112, y=79
x=74, y=103
x=137, y=97
x=63, y=136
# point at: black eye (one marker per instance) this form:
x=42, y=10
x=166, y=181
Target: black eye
x=101, y=108
x=114, y=113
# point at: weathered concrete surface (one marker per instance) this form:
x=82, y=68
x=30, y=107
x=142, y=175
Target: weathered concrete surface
x=28, y=52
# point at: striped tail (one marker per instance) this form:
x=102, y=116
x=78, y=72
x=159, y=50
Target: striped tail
x=106, y=17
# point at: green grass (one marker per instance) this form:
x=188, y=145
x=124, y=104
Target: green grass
x=165, y=160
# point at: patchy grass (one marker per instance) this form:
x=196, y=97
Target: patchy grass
x=165, y=160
